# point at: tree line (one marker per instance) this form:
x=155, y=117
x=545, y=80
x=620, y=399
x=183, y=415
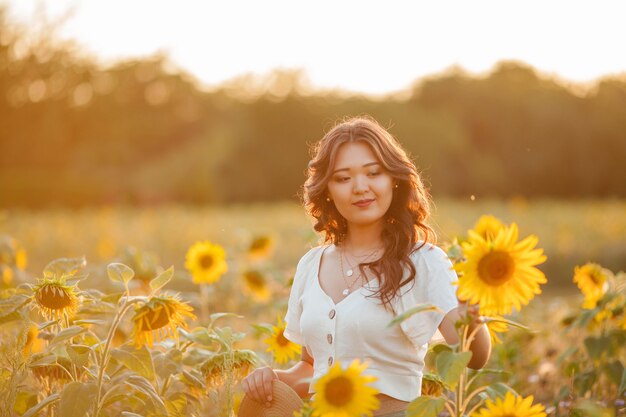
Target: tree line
x=75, y=133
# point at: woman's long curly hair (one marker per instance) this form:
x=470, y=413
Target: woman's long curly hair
x=406, y=219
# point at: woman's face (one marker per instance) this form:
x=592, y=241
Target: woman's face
x=359, y=186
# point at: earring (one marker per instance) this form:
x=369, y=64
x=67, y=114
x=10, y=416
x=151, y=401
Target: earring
x=328, y=199
x=395, y=186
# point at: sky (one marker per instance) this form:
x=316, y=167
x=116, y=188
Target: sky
x=371, y=47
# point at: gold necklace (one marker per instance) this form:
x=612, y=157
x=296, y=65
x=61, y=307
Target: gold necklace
x=346, y=291
x=360, y=259
x=349, y=272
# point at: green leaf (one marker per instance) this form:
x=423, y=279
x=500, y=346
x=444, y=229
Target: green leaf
x=262, y=328
x=162, y=279
x=142, y=385
x=79, y=354
x=137, y=360
x=12, y=316
x=440, y=347
x=622, y=385
x=589, y=408
x=614, y=370
x=487, y=371
x=498, y=390
x=77, y=399
x=566, y=354
x=507, y=321
x=583, y=382
x=414, y=310
x=47, y=324
x=188, y=379
x=23, y=400
x=425, y=406
x=119, y=272
x=112, y=298
x=169, y=363
x=176, y=405
x=89, y=321
x=64, y=266
x=200, y=336
x=216, y=316
x=450, y=365
x=47, y=401
x=42, y=360
x=596, y=346
x=66, y=334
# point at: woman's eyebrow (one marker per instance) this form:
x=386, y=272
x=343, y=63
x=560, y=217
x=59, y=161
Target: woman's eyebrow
x=364, y=166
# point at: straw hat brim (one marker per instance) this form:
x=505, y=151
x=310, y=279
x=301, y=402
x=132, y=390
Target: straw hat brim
x=284, y=402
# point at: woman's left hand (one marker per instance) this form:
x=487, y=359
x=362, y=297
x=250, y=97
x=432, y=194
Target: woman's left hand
x=471, y=311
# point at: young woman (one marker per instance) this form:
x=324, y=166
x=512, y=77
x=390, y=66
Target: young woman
x=378, y=260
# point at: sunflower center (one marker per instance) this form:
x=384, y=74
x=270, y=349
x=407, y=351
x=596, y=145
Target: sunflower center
x=339, y=391
x=281, y=340
x=155, y=319
x=255, y=280
x=496, y=268
x=54, y=297
x=597, y=280
x=259, y=243
x=206, y=261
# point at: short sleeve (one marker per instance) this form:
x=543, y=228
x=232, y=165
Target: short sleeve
x=435, y=283
x=294, y=306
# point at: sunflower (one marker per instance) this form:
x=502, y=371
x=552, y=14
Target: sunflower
x=11, y=253
x=59, y=371
x=496, y=327
x=236, y=364
x=256, y=285
x=6, y=275
x=592, y=280
x=261, y=247
x=511, y=406
x=206, y=262
x=282, y=348
x=432, y=385
x=160, y=317
x=20, y=259
x=54, y=298
x=488, y=226
x=612, y=306
x=345, y=393
x=500, y=274
x=144, y=263
x=33, y=343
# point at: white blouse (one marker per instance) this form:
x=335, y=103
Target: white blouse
x=356, y=327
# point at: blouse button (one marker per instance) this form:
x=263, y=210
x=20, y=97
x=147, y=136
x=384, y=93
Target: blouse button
x=331, y=315
x=329, y=337
x=330, y=361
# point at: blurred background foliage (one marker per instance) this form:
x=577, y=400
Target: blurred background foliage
x=74, y=132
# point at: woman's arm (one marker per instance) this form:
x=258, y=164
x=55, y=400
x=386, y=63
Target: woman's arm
x=481, y=345
x=297, y=377
x=259, y=383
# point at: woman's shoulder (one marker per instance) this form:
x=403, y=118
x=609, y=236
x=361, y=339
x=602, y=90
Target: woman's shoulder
x=429, y=255
x=311, y=256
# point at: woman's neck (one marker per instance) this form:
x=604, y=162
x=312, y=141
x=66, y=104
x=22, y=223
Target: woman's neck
x=361, y=238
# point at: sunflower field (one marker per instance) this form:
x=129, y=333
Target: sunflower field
x=161, y=311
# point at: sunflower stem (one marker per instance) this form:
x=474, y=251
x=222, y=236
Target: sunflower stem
x=472, y=395
x=472, y=336
x=104, y=359
x=204, y=303
x=475, y=407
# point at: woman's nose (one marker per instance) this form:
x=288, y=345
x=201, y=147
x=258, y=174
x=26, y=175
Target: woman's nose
x=360, y=184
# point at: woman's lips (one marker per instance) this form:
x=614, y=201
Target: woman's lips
x=364, y=203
